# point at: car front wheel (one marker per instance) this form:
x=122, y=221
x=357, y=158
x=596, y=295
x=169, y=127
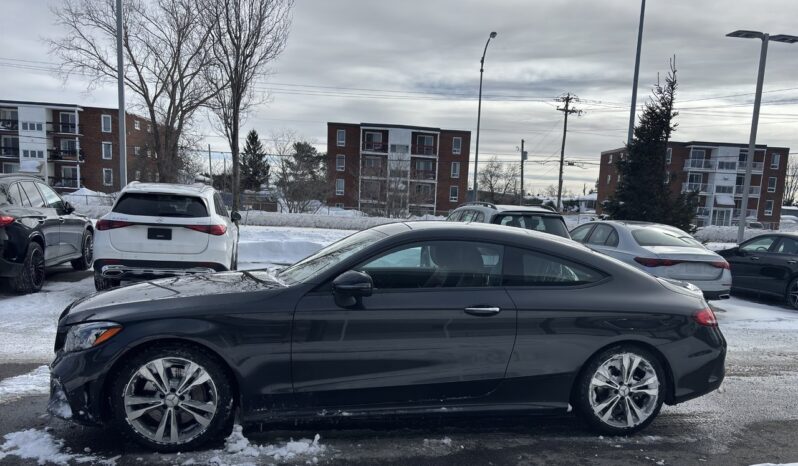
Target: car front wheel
x=172, y=398
x=31, y=275
x=621, y=390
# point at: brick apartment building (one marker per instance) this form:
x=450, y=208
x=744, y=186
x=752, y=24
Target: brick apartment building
x=717, y=172
x=75, y=146
x=396, y=169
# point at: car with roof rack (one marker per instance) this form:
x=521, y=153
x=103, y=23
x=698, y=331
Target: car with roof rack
x=160, y=229
x=538, y=218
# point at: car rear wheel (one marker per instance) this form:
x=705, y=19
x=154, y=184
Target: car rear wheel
x=101, y=283
x=87, y=252
x=621, y=390
x=792, y=294
x=172, y=398
x=31, y=275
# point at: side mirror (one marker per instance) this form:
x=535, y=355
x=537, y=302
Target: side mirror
x=350, y=286
x=235, y=216
x=68, y=207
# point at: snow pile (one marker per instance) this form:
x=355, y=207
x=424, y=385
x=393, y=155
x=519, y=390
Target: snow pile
x=36, y=382
x=318, y=220
x=276, y=245
x=86, y=197
x=718, y=234
x=239, y=446
x=42, y=447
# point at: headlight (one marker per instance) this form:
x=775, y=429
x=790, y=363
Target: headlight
x=84, y=336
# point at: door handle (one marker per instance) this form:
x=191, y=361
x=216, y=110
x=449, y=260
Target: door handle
x=792, y=262
x=754, y=258
x=61, y=219
x=482, y=311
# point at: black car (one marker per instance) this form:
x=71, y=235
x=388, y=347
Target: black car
x=536, y=218
x=424, y=318
x=767, y=265
x=38, y=229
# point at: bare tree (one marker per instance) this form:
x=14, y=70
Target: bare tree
x=246, y=35
x=791, y=183
x=166, y=56
x=499, y=181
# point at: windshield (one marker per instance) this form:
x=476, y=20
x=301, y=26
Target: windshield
x=543, y=223
x=660, y=237
x=329, y=257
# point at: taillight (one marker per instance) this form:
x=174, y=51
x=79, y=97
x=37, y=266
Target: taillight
x=721, y=265
x=706, y=318
x=103, y=225
x=6, y=220
x=650, y=262
x=215, y=230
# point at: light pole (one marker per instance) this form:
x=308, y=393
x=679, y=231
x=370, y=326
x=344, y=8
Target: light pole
x=632, y=111
x=765, y=38
x=120, y=72
x=479, y=113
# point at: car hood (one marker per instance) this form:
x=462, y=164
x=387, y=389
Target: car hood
x=147, y=298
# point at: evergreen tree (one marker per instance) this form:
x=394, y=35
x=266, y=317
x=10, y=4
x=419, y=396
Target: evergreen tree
x=643, y=192
x=254, y=167
x=302, y=178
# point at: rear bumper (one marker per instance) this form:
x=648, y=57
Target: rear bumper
x=698, y=364
x=146, y=270
x=9, y=269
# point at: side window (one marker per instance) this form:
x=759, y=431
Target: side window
x=36, y=199
x=468, y=216
x=762, y=244
x=221, y=209
x=527, y=268
x=480, y=217
x=51, y=198
x=612, y=240
x=437, y=264
x=580, y=233
x=600, y=234
x=454, y=216
x=16, y=197
x=508, y=220
x=787, y=246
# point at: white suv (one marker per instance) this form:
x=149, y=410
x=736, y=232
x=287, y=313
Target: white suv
x=159, y=229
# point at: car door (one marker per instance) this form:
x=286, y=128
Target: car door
x=778, y=266
x=438, y=327
x=746, y=264
x=48, y=219
x=71, y=225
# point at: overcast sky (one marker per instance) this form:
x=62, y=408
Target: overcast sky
x=417, y=63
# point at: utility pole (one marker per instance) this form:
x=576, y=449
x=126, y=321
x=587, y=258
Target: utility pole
x=632, y=111
x=210, y=166
x=120, y=72
x=523, y=158
x=567, y=110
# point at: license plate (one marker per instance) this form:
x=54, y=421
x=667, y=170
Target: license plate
x=159, y=233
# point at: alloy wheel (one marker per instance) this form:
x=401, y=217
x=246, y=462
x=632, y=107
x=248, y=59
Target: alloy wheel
x=170, y=400
x=792, y=294
x=37, y=268
x=88, y=250
x=624, y=390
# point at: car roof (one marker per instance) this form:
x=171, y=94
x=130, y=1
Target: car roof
x=631, y=224
x=509, y=208
x=479, y=230
x=9, y=177
x=167, y=188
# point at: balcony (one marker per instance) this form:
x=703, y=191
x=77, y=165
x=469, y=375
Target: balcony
x=422, y=149
x=724, y=189
x=63, y=128
x=702, y=212
x=67, y=183
x=749, y=213
x=370, y=146
x=752, y=190
x=700, y=164
x=701, y=188
x=9, y=151
x=422, y=175
x=66, y=154
x=9, y=125
x=755, y=167
x=373, y=171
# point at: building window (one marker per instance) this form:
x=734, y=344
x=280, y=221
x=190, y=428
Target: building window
x=136, y=150
x=138, y=175
x=10, y=167
x=668, y=156
x=697, y=153
x=454, y=193
x=457, y=145
x=772, y=184
x=106, y=123
x=340, y=162
x=609, y=159
x=33, y=154
x=769, y=207
x=455, y=169
x=149, y=128
x=107, y=148
x=373, y=141
x=339, y=205
x=108, y=177
x=424, y=165
x=774, y=161
x=341, y=137
x=67, y=122
x=137, y=124
x=425, y=144
x=339, y=187
x=609, y=179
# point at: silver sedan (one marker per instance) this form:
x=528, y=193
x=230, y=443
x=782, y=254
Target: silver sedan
x=661, y=250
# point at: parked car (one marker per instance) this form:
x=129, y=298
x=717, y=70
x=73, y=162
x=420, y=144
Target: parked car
x=38, y=230
x=661, y=250
x=405, y=318
x=159, y=229
x=766, y=264
x=528, y=217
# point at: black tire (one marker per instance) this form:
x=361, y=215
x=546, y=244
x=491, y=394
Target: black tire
x=127, y=377
x=87, y=252
x=589, y=398
x=31, y=276
x=791, y=295
x=101, y=283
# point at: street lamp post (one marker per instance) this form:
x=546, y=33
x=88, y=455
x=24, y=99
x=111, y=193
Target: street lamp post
x=479, y=114
x=765, y=38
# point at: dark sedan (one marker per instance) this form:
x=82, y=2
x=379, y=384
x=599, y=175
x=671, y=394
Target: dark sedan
x=402, y=319
x=766, y=264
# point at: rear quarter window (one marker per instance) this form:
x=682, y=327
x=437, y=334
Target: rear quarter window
x=161, y=205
